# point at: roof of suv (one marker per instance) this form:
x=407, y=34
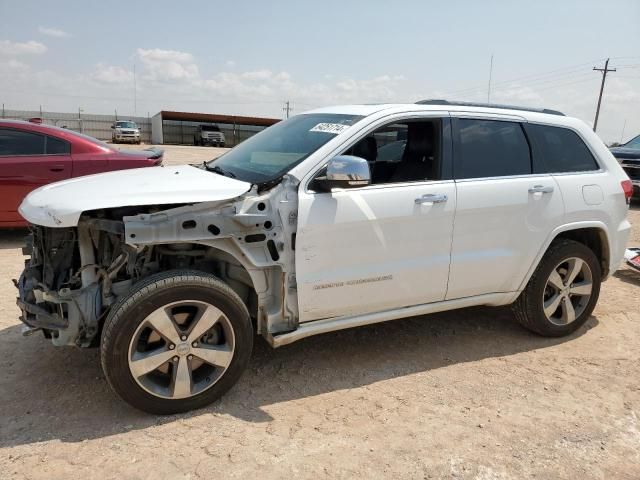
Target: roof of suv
x=530, y=114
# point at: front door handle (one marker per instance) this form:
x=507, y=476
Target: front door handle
x=431, y=198
x=56, y=168
x=541, y=189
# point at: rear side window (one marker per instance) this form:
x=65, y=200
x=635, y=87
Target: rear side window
x=16, y=142
x=558, y=150
x=491, y=148
x=55, y=146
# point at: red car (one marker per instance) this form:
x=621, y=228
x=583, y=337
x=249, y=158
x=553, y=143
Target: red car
x=32, y=155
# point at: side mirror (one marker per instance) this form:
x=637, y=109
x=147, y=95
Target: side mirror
x=344, y=171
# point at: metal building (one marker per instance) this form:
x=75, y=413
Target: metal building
x=181, y=127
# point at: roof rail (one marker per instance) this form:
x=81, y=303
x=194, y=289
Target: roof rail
x=489, y=105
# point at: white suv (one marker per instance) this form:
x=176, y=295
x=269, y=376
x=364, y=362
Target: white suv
x=303, y=229
x=125, y=131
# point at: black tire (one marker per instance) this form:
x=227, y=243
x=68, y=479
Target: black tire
x=150, y=294
x=528, y=308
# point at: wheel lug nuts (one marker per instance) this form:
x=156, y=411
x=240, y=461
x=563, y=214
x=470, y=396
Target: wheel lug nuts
x=175, y=359
x=190, y=357
x=171, y=347
x=183, y=337
x=194, y=344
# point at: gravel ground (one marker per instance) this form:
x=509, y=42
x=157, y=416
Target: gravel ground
x=466, y=394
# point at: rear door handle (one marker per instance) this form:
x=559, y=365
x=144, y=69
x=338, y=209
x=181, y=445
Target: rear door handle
x=431, y=198
x=541, y=189
x=56, y=168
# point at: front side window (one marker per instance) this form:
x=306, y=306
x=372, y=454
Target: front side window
x=402, y=152
x=491, y=148
x=559, y=150
x=20, y=143
x=274, y=151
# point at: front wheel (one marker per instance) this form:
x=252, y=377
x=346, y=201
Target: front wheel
x=178, y=341
x=562, y=292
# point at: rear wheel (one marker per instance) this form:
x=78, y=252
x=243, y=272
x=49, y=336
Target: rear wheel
x=563, y=291
x=177, y=342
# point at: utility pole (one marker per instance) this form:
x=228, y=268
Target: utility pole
x=490, y=74
x=287, y=108
x=604, y=71
x=135, y=100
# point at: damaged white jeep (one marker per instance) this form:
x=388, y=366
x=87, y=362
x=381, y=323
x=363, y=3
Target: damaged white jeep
x=331, y=219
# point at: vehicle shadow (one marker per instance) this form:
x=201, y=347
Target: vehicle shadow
x=628, y=275
x=13, y=238
x=60, y=393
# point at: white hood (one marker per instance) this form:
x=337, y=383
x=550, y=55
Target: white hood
x=61, y=204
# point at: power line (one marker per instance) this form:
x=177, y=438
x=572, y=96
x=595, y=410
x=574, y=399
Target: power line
x=604, y=71
x=558, y=72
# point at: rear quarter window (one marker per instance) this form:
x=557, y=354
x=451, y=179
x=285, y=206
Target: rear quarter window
x=55, y=146
x=559, y=150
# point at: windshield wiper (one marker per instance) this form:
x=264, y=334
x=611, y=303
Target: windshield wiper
x=220, y=171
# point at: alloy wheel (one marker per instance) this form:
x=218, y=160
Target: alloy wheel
x=567, y=291
x=181, y=349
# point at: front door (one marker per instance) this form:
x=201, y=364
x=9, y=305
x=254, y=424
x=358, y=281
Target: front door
x=384, y=246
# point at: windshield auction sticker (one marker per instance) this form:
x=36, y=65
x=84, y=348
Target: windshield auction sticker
x=334, y=128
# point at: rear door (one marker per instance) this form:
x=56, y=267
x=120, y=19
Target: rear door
x=28, y=160
x=504, y=212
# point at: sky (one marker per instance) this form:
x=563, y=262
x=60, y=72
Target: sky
x=249, y=57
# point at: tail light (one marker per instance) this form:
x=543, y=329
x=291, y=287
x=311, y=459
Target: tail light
x=627, y=188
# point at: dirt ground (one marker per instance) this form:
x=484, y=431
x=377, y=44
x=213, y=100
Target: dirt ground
x=466, y=394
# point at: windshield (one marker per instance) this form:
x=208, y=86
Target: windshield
x=633, y=143
x=277, y=149
x=126, y=125
x=209, y=128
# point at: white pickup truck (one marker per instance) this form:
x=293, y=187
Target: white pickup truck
x=307, y=228
x=209, y=135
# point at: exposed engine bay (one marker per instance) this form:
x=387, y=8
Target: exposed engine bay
x=76, y=274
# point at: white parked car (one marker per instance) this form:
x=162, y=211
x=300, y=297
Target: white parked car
x=125, y=131
x=301, y=230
